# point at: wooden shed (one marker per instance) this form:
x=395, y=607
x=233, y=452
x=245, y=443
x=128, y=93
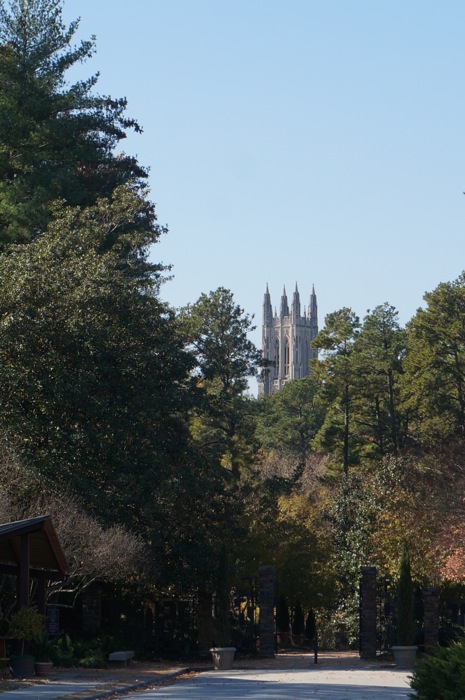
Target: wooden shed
x=30, y=549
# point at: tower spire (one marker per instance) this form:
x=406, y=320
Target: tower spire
x=313, y=310
x=284, y=304
x=267, y=308
x=296, y=303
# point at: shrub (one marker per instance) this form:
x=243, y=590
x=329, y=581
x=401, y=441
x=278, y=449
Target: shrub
x=94, y=660
x=441, y=676
x=63, y=652
x=42, y=647
x=88, y=653
x=26, y=624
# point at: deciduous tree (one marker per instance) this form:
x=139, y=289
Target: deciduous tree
x=93, y=551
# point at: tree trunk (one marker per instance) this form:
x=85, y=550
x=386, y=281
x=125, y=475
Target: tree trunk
x=346, y=430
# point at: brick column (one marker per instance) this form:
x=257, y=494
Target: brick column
x=431, y=608
x=368, y=613
x=266, y=589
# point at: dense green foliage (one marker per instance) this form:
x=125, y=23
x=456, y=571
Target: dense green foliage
x=379, y=352
x=97, y=391
x=440, y=676
x=405, y=623
x=338, y=381
x=56, y=140
x=91, y=366
x=215, y=329
x=289, y=421
x=435, y=365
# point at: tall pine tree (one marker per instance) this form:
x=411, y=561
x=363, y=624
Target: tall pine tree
x=56, y=140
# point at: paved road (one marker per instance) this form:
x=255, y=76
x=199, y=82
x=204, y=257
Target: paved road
x=342, y=676
x=289, y=684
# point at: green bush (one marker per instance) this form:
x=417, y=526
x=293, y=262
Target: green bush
x=88, y=653
x=405, y=603
x=63, y=652
x=25, y=624
x=441, y=676
x=42, y=647
x=94, y=660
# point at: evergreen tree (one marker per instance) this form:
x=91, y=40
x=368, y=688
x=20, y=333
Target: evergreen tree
x=378, y=356
x=215, y=329
x=405, y=609
x=338, y=380
x=56, y=140
x=434, y=386
x=288, y=421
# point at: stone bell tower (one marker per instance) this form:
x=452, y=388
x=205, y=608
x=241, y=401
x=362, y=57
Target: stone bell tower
x=286, y=340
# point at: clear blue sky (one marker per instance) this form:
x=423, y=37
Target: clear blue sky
x=295, y=140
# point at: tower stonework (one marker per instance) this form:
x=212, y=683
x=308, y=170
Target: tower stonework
x=286, y=340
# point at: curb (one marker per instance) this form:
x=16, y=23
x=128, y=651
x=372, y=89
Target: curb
x=122, y=688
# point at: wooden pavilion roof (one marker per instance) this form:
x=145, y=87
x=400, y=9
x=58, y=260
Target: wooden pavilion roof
x=45, y=553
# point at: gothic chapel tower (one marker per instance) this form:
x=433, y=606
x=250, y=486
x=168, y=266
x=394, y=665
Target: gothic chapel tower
x=286, y=340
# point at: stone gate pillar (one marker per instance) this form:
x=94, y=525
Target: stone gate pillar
x=431, y=608
x=368, y=613
x=266, y=590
